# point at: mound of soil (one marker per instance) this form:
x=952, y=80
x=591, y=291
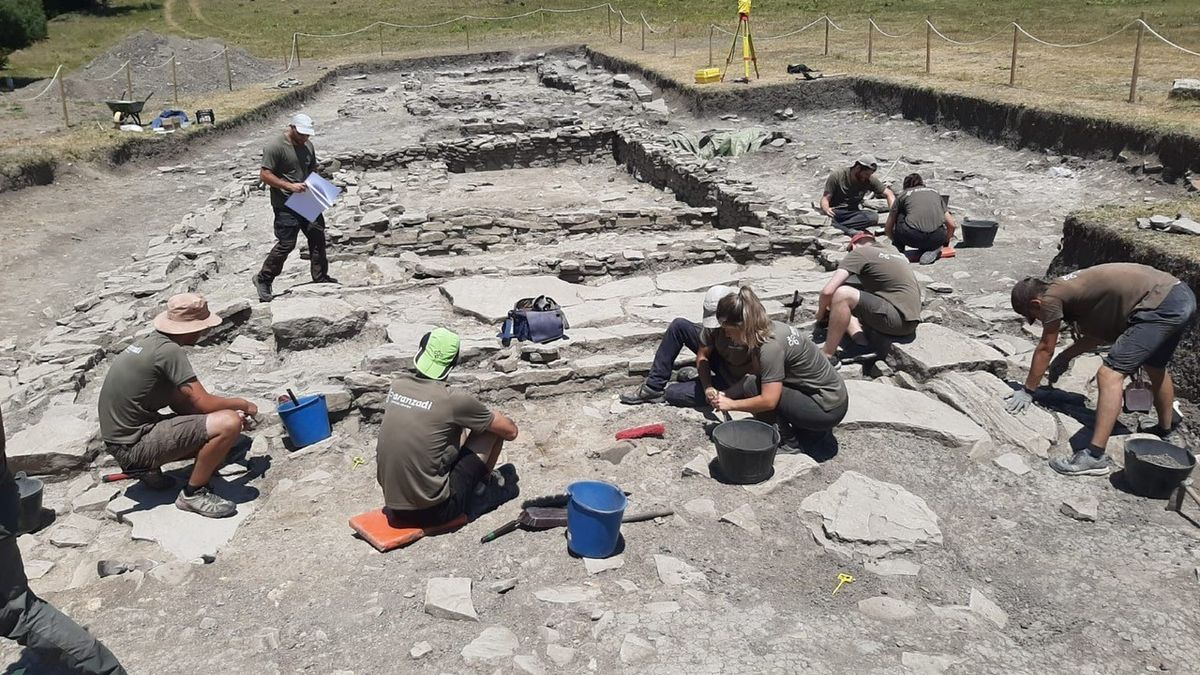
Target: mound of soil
x=200, y=68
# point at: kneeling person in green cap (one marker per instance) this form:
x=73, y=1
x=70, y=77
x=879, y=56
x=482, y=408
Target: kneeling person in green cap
x=429, y=474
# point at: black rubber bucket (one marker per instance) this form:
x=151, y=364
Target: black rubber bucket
x=1153, y=468
x=979, y=233
x=29, y=516
x=746, y=450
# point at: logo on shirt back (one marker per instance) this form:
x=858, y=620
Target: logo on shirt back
x=402, y=401
x=793, y=338
x=1068, y=277
x=134, y=349
x=893, y=256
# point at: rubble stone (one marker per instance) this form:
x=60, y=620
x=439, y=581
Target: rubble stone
x=866, y=518
x=308, y=322
x=881, y=406
x=450, y=598
x=935, y=349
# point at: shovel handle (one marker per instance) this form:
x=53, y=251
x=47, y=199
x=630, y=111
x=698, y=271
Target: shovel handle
x=504, y=529
x=647, y=515
x=1191, y=492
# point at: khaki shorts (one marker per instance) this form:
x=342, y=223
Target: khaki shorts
x=172, y=439
x=881, y=316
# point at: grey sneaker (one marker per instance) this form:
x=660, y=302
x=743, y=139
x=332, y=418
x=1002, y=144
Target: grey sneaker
x=1082, y=463
x=263, y=288
x=206, y=503
x=930, y=257
x=687, y=374
x=644, y=394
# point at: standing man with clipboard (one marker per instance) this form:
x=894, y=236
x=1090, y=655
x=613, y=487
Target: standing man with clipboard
x=287, y=161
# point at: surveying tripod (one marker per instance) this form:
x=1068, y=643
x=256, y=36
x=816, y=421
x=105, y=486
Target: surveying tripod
x=749, y=57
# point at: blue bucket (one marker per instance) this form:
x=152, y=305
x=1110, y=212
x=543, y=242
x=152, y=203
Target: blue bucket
x=308, y=422
x=594, y=514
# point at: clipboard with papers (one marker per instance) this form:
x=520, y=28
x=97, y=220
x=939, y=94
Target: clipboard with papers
x=320, y=195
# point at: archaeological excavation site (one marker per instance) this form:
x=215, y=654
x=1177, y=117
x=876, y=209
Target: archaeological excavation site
x=927, y=533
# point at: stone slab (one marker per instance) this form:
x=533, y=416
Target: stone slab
x=787, y=469
x=595, y=313
x=495, y=642
x=697, y=278
x=980, y=396
x=489, y=298
x=675, y=572
x=865, y=518
x=450, y=598
x=308, y=322
x=935, y=349
x=186, y=536
x=55, y=445
x=881, y=406
x=628, y=287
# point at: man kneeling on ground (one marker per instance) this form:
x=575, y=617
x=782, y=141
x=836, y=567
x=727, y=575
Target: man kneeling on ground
x=844, y=192
x=681, y=333
x=429, y=474
x=885, y=297
x=154, y=373
x=1140, y=311
x=920, y=220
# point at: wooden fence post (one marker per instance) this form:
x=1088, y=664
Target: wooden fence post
x=711, y=30
x=1137, y=59
x=643, y=33
x=621, y=32
x=1012, y=68
x=129, y=78
x=174, y=79
x=467, y=28
x=826, y=35
x=928, y=44
x=381, y=40
x=870, y=40
x=62, y=92
x=675, y=39
x=609, y=23
x=296, y=48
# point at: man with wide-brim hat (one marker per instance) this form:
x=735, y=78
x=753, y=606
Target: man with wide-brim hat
x=845, y=189
x=154, y=373
x=429, y=473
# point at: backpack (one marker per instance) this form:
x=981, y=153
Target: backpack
x=539, y=319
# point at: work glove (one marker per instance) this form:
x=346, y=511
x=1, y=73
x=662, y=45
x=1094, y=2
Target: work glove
x=1058, y=368
x=1018, y=401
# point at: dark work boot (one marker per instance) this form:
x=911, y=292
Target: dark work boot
x=644, y=394
x=263, y=288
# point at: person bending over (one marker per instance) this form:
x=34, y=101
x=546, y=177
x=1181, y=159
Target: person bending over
x=1142, y=312
x=919, y=220
x=429, y=474
x=154, y=373
x=790, y=382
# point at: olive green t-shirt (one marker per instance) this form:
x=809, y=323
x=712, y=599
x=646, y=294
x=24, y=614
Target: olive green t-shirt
x=733, y=360
x=921, y=209
x=887, y=273
x=289, y=162
x=423, y=422
x=844, y=192
x=139, y=383
x=792, y=358
x=1097, y=301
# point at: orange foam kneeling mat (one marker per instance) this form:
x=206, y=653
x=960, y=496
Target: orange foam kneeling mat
x=373, y=526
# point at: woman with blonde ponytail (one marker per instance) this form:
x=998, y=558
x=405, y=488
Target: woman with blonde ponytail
x=787, y=380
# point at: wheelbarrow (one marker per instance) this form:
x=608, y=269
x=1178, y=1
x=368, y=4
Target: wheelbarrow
x=126, y=112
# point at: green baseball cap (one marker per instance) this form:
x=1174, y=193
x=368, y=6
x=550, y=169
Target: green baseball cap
x=437, y=354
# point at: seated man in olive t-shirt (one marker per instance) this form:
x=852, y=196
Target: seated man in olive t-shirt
x=844, y=190
x=428, y=473
x=1142, y=312
x=885, y=296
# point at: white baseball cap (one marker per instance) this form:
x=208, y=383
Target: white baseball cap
x=303, y=124
x=711, y=298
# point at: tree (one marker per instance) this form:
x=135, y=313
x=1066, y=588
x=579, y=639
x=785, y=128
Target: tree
x=22, y=22
x=55, y=7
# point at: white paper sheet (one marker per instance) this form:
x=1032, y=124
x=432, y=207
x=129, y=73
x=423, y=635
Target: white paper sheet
x=310, y=204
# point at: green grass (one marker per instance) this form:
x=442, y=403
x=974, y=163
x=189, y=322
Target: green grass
x=76, y=39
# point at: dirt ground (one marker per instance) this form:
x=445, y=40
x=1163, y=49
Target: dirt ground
x=293, y=592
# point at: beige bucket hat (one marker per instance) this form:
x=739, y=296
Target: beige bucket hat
x=186, y=313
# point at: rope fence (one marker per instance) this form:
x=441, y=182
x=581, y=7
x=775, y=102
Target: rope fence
x=825, y=23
